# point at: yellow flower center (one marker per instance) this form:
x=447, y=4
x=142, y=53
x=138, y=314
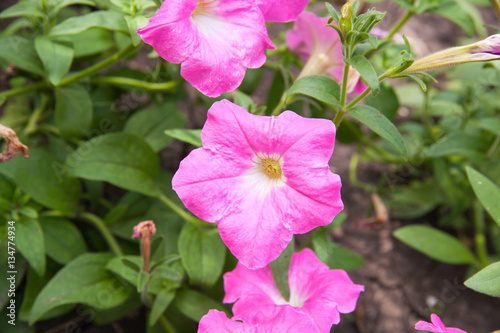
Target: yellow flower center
x=271, y=168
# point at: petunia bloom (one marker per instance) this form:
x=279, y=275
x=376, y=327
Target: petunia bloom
x=484, y=50
x=317, y=294
x=261, y=178
x=215, y=40
x=436, y=326
x=285, y=321
x=320, y=45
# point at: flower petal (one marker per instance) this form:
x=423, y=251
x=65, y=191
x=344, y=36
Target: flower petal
x=425, y=326
x=281, y=11
x=217, y=321
x=255, y=232
x=215, y=41
x=302, y=204
x=207, y=183
x=321, y=293
x=172, y=21
x=243, y=281
x=437, y=321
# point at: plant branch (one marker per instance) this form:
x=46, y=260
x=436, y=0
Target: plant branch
x=97, y=67
x=479, y=237
x=101, y=226
x=151, y=86
x=182, y=213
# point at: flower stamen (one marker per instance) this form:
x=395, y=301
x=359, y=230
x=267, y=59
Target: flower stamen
x=271, y=168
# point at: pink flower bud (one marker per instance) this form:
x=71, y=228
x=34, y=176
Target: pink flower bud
x=139, y=229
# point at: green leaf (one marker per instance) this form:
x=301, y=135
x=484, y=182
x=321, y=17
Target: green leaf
x=126, y=267
x=192, y=137
x=133, y=24
x=65, y=3
x=26, y=8
x=56, y=58
x=202, y=253
x=487, y=192
x=335, y=256
x=195, y=305
x=366, y=70
x=160, y=304
x=378, y=123
x=91, y=41
x=63, y=241
x=487, y=280
x=21, y=52
x=491, y=124
x=84, y=280
x=132, y=303
x=34, y=284
x=460, y=144
x=29, y=241
x=73, y=119
x=280, y=268
x=102, y=19
x=122, y=159
x=42, y=177
x=386, y=101
x=151, y=124
x=320, y=87
x=458, y=15
x=435, y=244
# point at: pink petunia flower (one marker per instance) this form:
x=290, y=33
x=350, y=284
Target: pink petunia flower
x=261, y=178
x=320, y=45
x=216, y=40
x=317, y=294
x=285, y=321
x=437, y=326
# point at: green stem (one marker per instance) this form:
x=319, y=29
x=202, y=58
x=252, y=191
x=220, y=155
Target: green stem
x=182, y=213
x=97, y=67
x=353, y=166
x=23, y=90
x=479, y=237
x=280, y=105
x=359, y=98
x=101, y=226
x=75, y=77
x=493, y=147
x=166, y=325
x=31, y=127
x=496, y=7
x=398, y=26
x=152, y=86
x=344, y=85
x=342, y=112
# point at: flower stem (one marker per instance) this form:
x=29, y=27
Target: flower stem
x=479, y=237
x=182, y=213
x=359, y=98
x=152, y=86
x=344, y=84
x=493, y=147
x=398, y=26
x=166, y=325
x=31, y=127
x=22, y=90
x=75, y=77
x=280, y=105
x=496, y=7
x=97, y=67
x=101, y=226
x=353, y=166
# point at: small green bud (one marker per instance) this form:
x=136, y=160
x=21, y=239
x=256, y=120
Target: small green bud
x=346, y=19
